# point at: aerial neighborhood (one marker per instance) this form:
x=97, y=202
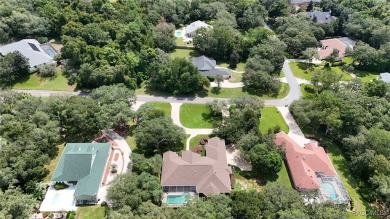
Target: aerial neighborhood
x=129, y=109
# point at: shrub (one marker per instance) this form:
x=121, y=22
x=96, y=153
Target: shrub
x=71, y=215
x=47, y=70
x=211, y=78
x=60, y=185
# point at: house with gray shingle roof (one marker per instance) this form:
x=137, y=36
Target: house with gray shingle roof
x=385, y=77
x=193, y=173
x=320, y=17
x=83, y=165
x=36, y=53
x=195, y=26
x=207, y=67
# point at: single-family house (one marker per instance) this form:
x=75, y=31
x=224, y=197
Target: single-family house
x=320, y=17
x=299, y=3
x=195, y=26
x=192, y=174
x=341, y=44
x=311, y=170
x=207, y=67
x=385, y=77
x=36, y=53
x=81, y=168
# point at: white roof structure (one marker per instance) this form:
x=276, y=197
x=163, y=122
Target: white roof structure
x=194, y=26
x=31, y=49
x=59, y=200
x=385, y=77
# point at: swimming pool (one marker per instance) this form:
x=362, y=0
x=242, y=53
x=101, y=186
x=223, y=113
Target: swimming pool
x=49, y=49
x=329, y=190
x=177, y=199
x=178, y=33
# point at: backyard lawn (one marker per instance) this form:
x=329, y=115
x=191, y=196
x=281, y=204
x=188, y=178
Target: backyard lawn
x=196, y=116
x=182, y=53
x=53, y=163
x=195, y=140
x=283, y=176
x=180, y=42
x=131, y=142
x=240, y=66
x=92, y=212
x=34, y=82
x=271, y=118
x=166, y=107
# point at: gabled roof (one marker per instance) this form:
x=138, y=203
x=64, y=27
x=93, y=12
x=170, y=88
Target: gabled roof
x=84, y=163
x=322, y=17
x=194, y=26
x=385, y=77
x=336, y=43
x=206, y=66
x=210, y=174
x=31, y=49
x=203, y=63
x=305, y=162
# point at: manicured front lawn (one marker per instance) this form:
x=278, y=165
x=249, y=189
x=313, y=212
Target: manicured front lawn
x=236, y=77
x=238, y=92
x=195, y=140
x=53, y=163
x=271, y=118
x=166, y=107
x=306, y=71
x=92, y=212
x=196, y=116
x=34, y=82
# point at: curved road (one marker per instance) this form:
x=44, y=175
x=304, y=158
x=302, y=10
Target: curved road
x=294, y=94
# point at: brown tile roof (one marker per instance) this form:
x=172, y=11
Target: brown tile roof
x=210, y=174
x=338, y=43
x=305, y=161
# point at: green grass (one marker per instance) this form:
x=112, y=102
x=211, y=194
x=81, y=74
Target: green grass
x=180, y=42
x=366, y=76
x=53, y=163
x=196, y=116
x=166, y=107
x=283, y=176
x=183, y=53
x=341, y=166
x=270, y=118
x=306, y=71
x=195, y=140
x=131, y=142
x=93, y=212
x=238, y=92
x=236, y=77
x=281, y=74
x=240, y=66
x=305, y=93
x=34, y=82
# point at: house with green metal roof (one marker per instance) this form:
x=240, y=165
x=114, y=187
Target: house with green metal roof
x=83, y=165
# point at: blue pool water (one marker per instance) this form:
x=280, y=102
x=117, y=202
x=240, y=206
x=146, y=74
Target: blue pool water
x=50, y=52
x=329, y=190
x=177, y=199
x=178, y=33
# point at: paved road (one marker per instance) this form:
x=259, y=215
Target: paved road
x=294, y=94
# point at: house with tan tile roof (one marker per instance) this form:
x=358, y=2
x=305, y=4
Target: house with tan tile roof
x=341, y=44
x=196, y=174
x=312, y=170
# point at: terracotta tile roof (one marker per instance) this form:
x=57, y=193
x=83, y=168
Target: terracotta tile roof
x=210, y=174
x=304, y=162
x=338, y=43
